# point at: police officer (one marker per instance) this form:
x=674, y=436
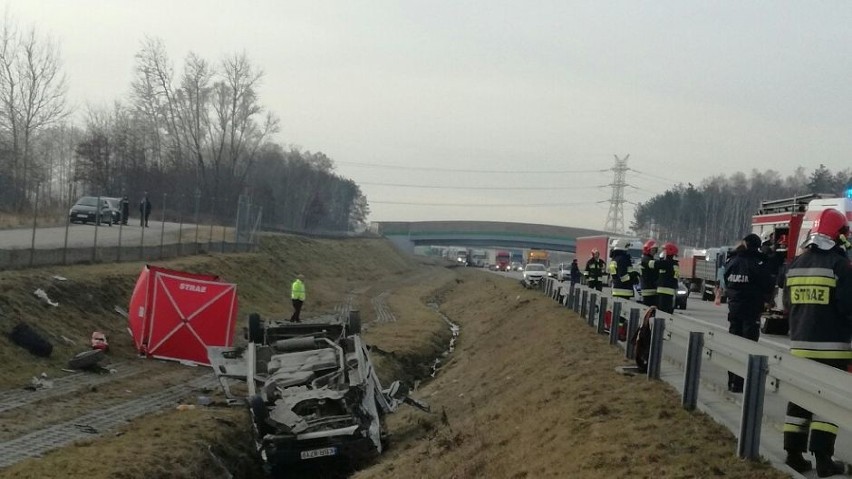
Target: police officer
x=818, y=296
x=648, y=273
x=595, y=270
x=748, y=288
x=625, y=276
x=668, y=272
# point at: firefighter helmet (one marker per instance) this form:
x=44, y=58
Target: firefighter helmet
x=620, y=244
x=595, y=252
x=649, y=247
x=766, y=236
x=670, y=249
x=829, y=226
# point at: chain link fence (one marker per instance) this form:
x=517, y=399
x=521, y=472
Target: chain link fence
x=96, y=229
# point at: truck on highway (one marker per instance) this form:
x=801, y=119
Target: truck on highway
x=538, y=256
x=478, y=257
x=503, y=260
x=517, y=257
x=463, y=257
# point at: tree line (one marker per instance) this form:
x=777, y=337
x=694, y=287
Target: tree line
x=719, y=210
x=198, y=132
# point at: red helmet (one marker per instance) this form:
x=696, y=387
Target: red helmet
x=831, y=223
x=670, y=249
x=829, y=226
x=648, y=246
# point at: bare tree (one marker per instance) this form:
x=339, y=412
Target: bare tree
x=32, y=96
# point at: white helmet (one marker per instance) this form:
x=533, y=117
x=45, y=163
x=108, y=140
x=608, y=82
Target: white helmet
x=766, y=236
x=620, y=244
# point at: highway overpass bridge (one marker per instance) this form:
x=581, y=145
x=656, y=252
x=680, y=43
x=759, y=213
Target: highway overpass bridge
x=406, y=235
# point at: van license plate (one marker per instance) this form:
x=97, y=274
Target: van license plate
x=314, y=453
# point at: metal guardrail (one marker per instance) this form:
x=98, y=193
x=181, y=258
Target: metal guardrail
x=824, y=390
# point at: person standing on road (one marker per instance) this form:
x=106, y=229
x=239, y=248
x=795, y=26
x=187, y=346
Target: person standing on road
x=818, y=296
x=668, y=272
x=125, y=210
x=144, y=211
x=595, y=270
x=297, y=294
x=648, y=273
x=749, y=289
x=575, y=272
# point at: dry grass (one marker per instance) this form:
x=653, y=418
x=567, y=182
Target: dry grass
x=531, y=392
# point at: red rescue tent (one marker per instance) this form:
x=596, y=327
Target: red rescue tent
x=176, y=315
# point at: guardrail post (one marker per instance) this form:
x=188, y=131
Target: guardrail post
x=613, y=323
x=632, y=326
x=602, y=315
x=748, y=445
x=576, y=304
x=692, y=375
x=655, y=356
x=593, y=303
x=567, y=297
x=584, y=304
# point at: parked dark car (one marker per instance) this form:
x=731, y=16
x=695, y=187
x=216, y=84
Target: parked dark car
x=86, y=210
x=115, y=209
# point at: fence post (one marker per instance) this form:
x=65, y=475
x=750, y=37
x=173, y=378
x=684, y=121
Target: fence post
x=655, y=356
x=632, y=326
x=613, y=322
x=97, y=227
x=584, y=304
x=593, y=304
x=692, y=375
x=65, y=244
x=35, y=221
x=223, y=236
x=142, y=236
x=163, y=226
x=237, y=221
x=197, y=200
x=602, y=315
x=748, y=445
x=576, y=304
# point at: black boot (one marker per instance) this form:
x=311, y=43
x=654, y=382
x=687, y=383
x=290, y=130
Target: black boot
x=797, y=462
x=827, y=467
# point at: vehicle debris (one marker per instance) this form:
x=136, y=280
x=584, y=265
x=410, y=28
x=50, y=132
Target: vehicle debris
x=40, y=382
x=42, y=295
x=86, y=359
x=28, y=338
x=312, y=391
x=59, y=278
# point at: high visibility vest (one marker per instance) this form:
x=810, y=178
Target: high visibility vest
x=612, y=267
x=297, y=291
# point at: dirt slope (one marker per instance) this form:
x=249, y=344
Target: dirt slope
x=529, y=392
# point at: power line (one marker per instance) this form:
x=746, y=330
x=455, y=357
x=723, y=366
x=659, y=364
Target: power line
x=499, y=188
x=469, y=205
x=657, y=177
x=465, y=170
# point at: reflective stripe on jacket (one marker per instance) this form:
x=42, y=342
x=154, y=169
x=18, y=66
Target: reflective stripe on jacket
x=648, y=276
x=818, y=296
x=668, y=271
x=624, y=277
x=297, y=291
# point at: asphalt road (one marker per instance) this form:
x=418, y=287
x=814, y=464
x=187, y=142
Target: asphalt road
x=84, y=235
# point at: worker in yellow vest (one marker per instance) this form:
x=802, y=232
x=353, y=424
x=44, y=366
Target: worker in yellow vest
x=297, y=294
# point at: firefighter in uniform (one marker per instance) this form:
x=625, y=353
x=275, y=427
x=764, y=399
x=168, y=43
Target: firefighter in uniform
x=648, y=273
x=625, y=276
x=748, y=288
x=818, y=296
x=595, y=270
x=668, y=273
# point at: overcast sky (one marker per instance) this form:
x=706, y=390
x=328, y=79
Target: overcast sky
x=689, y=89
